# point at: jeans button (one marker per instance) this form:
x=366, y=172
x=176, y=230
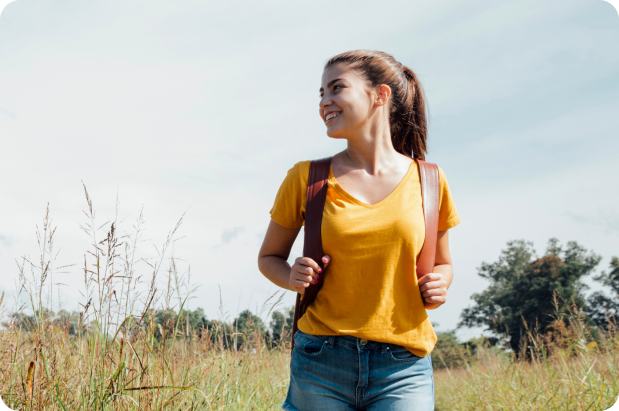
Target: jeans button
x=363, y=341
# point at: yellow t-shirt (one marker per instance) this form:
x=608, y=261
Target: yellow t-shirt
x=370, y=289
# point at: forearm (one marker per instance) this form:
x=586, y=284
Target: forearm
x=276, y=270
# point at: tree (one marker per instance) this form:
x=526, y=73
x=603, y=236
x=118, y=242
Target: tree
x=172, y=325
x=248, y=326
x=281, y=326
x=523, y=288
x=604, y=310
x=450, y=353
x=67, y=321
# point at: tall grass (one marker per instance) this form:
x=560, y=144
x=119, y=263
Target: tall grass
x=117, y=357
x=114, y=355
x=573, y=367
x=67, y=373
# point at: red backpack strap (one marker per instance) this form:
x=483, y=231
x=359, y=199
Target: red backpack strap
x=312, y=246
x=428, y=176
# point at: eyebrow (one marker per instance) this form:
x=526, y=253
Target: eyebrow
x=330, y=84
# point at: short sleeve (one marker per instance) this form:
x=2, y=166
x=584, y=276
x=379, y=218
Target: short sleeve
x=447, y=216
x=289, y=206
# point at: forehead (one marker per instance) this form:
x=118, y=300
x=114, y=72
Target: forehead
x=340, y=70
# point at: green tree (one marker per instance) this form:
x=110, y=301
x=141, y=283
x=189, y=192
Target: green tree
x=165, y=320
x=68, y=321
x=281, y=325
x=604, y=310
x=522, y=288
x=248, y=326
x=450, y=353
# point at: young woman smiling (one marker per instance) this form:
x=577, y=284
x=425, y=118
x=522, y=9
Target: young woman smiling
x=364, y=343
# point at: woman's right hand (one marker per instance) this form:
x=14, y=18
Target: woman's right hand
x=306, y=271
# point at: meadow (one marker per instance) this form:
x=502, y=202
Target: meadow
x=132, y=346
x=53, y=370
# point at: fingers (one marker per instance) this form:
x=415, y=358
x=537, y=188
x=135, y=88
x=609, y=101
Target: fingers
x=326, y=260
x=430, y=277
x=435, y=300
x=309, y=263
x=437, y=292
x=303, y=272
x=441, y=284
x=306, y=271
x=433, y=289
x=298, y=279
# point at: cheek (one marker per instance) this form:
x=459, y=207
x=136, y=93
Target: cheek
x=357, y=107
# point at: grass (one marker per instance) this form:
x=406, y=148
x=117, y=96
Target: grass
x=192, y=374
x=114, y=356
x=577, y=378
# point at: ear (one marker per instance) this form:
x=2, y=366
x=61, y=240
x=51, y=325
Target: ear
x=383, y=92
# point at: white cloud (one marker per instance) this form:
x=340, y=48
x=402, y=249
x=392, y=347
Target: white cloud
x=229, y=235
x=5, y=241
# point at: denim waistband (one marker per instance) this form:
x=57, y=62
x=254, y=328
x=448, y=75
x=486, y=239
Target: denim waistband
x=354, y=342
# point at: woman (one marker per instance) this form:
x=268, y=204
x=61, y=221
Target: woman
x=364, y=343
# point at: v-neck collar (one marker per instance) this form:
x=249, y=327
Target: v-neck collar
x=333, y=181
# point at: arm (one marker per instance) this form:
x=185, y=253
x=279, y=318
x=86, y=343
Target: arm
x=273, y=260
x=434, y=286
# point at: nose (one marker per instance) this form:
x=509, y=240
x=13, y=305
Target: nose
x=324, y=102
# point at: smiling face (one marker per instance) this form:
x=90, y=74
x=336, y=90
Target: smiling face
x=347, y=101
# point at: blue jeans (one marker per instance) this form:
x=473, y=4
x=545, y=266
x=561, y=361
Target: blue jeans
x=347, y=373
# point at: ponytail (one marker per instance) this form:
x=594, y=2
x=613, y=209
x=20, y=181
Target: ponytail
x=407, y=119
x=413, y=133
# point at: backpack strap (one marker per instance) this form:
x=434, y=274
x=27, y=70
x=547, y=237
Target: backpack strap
x=428, y=176
x=312, y=246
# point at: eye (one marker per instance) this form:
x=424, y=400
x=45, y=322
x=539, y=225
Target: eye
x=336, y=87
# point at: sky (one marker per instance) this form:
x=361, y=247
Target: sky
x=199, y=108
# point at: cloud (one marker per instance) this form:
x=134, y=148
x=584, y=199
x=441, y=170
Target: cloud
x=5, y=241
x=7, y=113
x=229, y=234
x=605, y=220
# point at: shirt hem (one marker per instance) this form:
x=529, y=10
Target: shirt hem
x=449, y=224
x=284, y=222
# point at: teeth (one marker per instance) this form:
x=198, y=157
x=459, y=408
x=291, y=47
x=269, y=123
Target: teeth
x=331, y=115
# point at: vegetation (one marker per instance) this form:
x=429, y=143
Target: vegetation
x=523, y=288
x=576, y=376
x=134, y=346
x=602, y=309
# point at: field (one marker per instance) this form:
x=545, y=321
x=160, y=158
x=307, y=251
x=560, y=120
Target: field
x=63, y=372
x=118, y=353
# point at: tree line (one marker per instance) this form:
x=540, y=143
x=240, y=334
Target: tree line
x=247, y=330
x=525, y=293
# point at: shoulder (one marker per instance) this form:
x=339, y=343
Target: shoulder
x=441, y=174
x=302, y=168
x=296, y=177
x=441, y=177
x=299, y=172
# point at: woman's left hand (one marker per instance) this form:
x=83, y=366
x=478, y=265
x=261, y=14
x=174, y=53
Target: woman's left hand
x=433, y=289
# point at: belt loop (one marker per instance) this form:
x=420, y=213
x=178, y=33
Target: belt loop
x=330, y=341
x=384, y=347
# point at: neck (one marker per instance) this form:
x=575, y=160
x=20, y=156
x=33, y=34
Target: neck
x=372, y=150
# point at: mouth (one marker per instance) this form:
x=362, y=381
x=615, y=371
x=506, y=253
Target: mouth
x=331, y=115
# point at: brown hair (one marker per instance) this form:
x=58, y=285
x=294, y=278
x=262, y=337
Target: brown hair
x=407, y=119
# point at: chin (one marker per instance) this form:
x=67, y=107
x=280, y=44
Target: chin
x=335, y=133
